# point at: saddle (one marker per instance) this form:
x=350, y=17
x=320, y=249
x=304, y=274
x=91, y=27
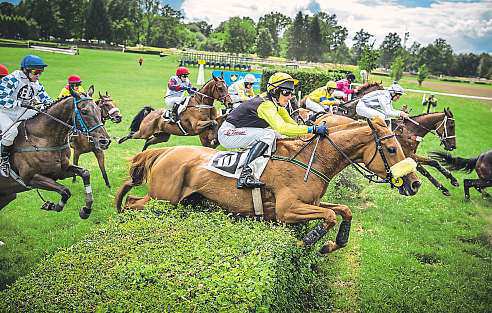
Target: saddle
x=176, y=110
x=230, y=163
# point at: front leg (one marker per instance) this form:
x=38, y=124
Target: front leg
x=436, y=184
x=202, y=125
x=86, y=179
x=428, y=161
x=100, y=161
x=344, y=229
x=76, y=155
x=46, y=183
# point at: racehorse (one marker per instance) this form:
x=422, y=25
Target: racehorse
x=82, y=144
x=41, y=154
x=482, y=164
x=177, y=173
x=410, y=133
x=199, y=118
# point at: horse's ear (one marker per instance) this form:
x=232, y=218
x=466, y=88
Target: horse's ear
x=100, y=96
x=222, y=75
x=73, y=93
x=90, y=91
x=215, y=78
x=107, y=93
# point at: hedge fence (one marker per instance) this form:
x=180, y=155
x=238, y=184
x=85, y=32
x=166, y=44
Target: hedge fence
x=174, y=259
x=308, y=79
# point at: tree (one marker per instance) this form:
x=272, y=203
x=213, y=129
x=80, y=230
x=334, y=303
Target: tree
x=332, y=34
x=389, y=48
x=7, y=8
x=126, y=20
x=422, y=74
x=150, y=13
x=46, y=14
x=275, y=23
x=264, y=43
x=361, y=41
x=438, y=56
x=397, y=68
x=297, y=37
x=240, y=35
x=313, y=52
x=203, y=27
x=97, y=25
x=369, y=59
x=485, y=66
x=413, y=57
x=466, y=64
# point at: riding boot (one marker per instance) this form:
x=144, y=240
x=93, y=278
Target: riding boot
x=173, y=113
x=5, y=161
x=246, y=178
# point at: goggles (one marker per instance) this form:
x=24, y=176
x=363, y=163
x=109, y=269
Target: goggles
x=286, y=92
x=76, y=84
x=36, y=71
x=184, y=76
x=248, y=84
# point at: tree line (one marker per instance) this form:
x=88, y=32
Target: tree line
x=317, y=38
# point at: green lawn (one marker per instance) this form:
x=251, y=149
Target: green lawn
x=426, y=253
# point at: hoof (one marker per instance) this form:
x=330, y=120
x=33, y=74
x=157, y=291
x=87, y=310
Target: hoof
x=455, y=183
x=85, y=213
x=328, y=247
x=446, y=192
x=50, y=206
x=109, y=186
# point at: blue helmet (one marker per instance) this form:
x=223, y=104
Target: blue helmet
x=32, y=61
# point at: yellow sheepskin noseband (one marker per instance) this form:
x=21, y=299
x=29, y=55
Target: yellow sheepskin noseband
x=403, y=168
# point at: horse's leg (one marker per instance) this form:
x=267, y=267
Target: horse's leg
x=76, y=155
x=202, y=125
x=344, y=229
x=4, y=200
x=157, y=138
x=100, y=161
x=467, y=183
x=123, y=139
x=436, y=184
x=46, y=183
x=486, y=184
x=438, y=166
x=86, y=210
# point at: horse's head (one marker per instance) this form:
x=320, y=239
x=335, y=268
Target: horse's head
x=445, y=130
x=385, y=157
x=108, y=108
x=216, y=89
x=367, y=88
x=86, y=119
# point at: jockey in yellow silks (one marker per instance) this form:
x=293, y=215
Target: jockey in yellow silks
x=257, y=122
x=242, y=90
x=75, y=82
x=322, y=99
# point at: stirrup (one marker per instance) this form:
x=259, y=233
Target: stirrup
x=249, y=182
x=5, y=167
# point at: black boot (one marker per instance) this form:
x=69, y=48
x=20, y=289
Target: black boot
x=5, y=161
x=246, y=179
x=173, y=113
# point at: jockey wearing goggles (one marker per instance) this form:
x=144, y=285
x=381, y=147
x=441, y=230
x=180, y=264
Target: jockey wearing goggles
x=257, y=122
x=242, y=90
x=322, y=98
x=18, y=92
x=73, y=81
x=176, y=86
x=380, y=103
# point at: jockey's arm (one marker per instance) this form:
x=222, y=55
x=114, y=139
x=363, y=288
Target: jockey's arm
x=174, y=86
x=387, y=107
x=7, y=88
x=43, y=96
x=268, y=112
x=344, y=86
x=63, y=93
x=285, y=116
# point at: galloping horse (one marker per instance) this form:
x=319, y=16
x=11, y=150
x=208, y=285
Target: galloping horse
x=199, y=118
x=176, y=173
x=482, y=164
x=348, y=108
x=82, y=144
x=41, y=154
x=410, y=133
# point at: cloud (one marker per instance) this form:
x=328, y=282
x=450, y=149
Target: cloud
x=466, y=25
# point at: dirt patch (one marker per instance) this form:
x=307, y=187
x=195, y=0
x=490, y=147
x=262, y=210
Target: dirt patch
x=449, y=87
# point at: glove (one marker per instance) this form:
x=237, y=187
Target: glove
x=321, y=130
x=192, y=90
x=28, y=104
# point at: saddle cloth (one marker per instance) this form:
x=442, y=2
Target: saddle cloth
x=181, y=107
x=230, y=163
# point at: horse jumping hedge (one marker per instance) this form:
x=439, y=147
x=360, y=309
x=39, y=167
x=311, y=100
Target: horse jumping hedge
x=308, y=79
x=173, y=259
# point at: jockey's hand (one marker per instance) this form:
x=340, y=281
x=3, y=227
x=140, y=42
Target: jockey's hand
x=321, y=130
x=28, y=104
x=404, y=115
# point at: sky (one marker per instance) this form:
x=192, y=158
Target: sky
x=465, y=24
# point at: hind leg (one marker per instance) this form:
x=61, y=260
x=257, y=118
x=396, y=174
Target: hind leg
x=434, y=181
x=467, y=183
x=4, y=200
x=157, y=138
x=76, y=155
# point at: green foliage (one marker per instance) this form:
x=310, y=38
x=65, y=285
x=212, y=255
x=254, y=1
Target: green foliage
x=175, y=259
x=275, y=23
x=438, y=56
x=422, y=74
x=97, y=25
x=313, y=49
x=397, y=68
x=240, y=35
x=264, y=43
x=369, y=59
x=389, y=49
x=297, y=37
x=308, y=79
x=361, y=42
x=15, y=26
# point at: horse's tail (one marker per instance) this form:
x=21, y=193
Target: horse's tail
x=137, y=120
x=141, y=165
x=454, y=163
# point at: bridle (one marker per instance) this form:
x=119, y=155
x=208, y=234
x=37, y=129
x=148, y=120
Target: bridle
x=214, y=90
x=109, y=114
x=444, y=123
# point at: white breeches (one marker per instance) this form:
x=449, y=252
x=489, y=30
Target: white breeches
x=231, y=137
x=7, y=117
x=170, y=101
x=313, y=106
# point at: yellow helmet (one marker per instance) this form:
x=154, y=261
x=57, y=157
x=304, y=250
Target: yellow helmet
x=331, y=84
x=282, y=80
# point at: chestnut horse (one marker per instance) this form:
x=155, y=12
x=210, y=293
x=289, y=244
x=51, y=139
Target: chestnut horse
x=41, y=154
x=82, y=144
x=199, y=118
x=176, y=173
x=410, y=133
x=482, y=164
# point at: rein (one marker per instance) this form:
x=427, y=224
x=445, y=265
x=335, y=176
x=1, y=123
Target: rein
x=444, y=123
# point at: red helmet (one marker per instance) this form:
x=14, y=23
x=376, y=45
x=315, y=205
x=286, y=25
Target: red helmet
x=72, y=79
x=3, y=70
x=182, y=71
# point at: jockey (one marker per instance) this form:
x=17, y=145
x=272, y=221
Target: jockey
x=242, y=90
x=75, y=82
x=3, y=71
x=430, y=102
x=343, y=87
x=257, y=122
x=176, y=86
x=18, y=91
x=380, y=103
x=322, y=98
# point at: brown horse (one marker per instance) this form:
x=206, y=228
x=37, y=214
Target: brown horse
x=82, y=144
x=410, y=133
x=177, y=173
x=482, y=164
x=199, y=118
x=41, y=154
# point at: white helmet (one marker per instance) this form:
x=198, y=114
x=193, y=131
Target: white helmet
x=396, y=89
x=250, y=78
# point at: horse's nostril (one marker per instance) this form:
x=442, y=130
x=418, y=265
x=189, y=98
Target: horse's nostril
x=416, y=185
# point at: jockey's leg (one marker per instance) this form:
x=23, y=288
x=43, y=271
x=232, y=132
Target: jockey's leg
x=8, y=133
x=313, y=106
x=367, y=112
x=171, y=106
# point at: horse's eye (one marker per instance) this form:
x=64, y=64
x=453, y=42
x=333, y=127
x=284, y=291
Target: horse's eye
x=392, y=150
